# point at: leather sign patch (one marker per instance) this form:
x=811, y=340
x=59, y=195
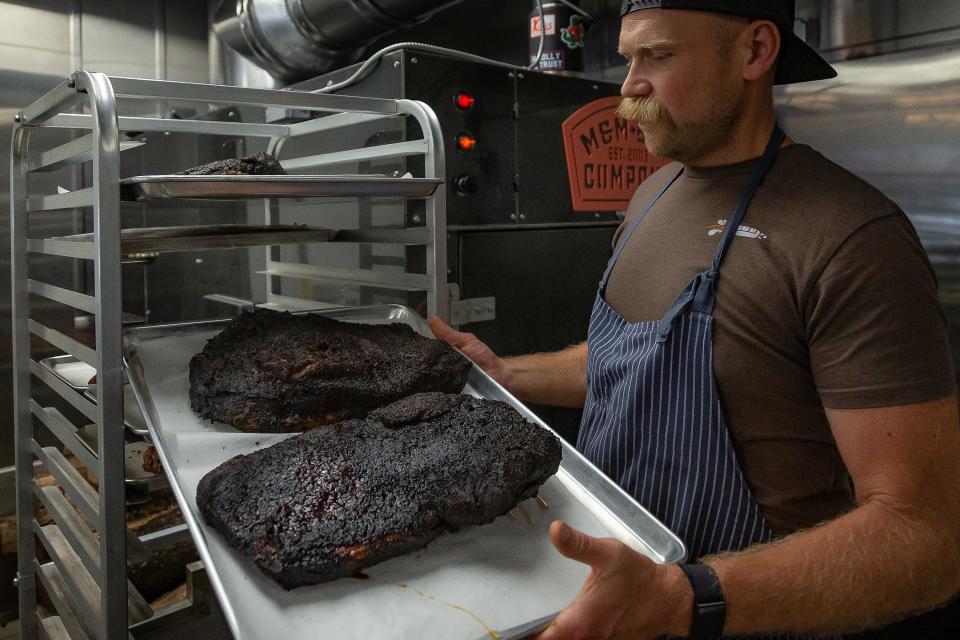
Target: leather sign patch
x=606, y=157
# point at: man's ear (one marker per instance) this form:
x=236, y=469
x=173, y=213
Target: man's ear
x=762, y=39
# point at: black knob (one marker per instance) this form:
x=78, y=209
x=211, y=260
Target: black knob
x=465, y=184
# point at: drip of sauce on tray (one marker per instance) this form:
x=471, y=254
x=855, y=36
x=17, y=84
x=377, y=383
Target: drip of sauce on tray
x=543, y=505
x=360, y=575
x=526, y=515
x=493, y=634
x=490, y=632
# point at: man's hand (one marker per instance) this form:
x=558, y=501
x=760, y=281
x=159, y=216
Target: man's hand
x=558, y=379
x=472, y=347
x=625, y=596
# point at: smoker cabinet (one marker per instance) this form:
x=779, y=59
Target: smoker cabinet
x=544, y=282
x=523, y=265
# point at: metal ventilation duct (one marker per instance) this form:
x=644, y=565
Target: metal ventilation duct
x=295, y=39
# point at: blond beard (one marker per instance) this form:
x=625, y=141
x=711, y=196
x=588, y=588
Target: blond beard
x=666, y=138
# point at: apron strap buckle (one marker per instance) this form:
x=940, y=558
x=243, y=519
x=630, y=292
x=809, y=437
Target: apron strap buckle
x=699, y=292
x=705, y=296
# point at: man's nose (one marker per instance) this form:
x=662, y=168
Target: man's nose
x=635, y=85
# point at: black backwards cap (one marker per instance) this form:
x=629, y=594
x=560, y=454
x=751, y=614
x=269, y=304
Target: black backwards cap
x=798, y=61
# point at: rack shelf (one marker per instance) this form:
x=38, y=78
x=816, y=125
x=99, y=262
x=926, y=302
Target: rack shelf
x=313, y=186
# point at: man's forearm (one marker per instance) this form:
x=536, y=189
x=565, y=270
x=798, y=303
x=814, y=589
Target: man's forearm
x=869, y=567
x=557, y=379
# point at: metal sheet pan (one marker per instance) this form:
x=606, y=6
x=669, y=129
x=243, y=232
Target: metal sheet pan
x=207, y=187
x=136, y=477
x=75, y=373
x=79, y=374
x=219, y=236
x=481, y=579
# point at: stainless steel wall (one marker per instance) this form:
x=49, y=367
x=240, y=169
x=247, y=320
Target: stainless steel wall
x=846, y=29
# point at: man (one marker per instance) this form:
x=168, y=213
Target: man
x=792, y=413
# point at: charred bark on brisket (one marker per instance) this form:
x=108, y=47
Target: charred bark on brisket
x=329, y=502
x=259, y=164
x=275, y=372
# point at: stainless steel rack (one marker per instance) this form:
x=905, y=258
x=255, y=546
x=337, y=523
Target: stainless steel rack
x=83, y=570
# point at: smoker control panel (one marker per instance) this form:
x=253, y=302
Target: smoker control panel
x=504, y=156
x=465, y=184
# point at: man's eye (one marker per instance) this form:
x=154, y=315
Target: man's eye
x=660, y=57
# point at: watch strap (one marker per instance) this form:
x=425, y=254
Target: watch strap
x=709, y=607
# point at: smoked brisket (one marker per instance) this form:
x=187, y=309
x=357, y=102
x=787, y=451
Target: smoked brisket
x=329, y=502
x=274, y=372
x=259, y=164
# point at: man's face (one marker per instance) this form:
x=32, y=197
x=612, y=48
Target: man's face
x=682, y=88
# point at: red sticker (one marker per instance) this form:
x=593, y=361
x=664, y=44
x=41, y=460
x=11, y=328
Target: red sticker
x=606, y=157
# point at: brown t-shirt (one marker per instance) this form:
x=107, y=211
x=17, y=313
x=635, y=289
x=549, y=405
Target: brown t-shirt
x=825, y=299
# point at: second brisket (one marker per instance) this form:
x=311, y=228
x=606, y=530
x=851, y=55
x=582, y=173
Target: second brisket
x=329, y=502
x=274, y=372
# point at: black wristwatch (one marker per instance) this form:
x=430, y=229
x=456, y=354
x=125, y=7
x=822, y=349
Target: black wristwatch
x=709, y=607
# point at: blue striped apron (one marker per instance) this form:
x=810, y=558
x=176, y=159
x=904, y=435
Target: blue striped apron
x=652, y=419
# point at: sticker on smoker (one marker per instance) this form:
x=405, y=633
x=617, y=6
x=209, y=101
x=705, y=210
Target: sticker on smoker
x=535, y=25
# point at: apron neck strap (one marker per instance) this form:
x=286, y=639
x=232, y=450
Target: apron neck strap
x=625, y=238
x=700, y=294
x=756, y=179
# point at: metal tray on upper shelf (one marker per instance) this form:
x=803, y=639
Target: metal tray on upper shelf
x=300, y=186
x=214, y=236
x=74, y=372
x=135, y=476
x=139, y=481
x=495, y=576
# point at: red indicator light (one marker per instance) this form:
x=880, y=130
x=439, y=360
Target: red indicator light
x=464, y=101
x=466, y=142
